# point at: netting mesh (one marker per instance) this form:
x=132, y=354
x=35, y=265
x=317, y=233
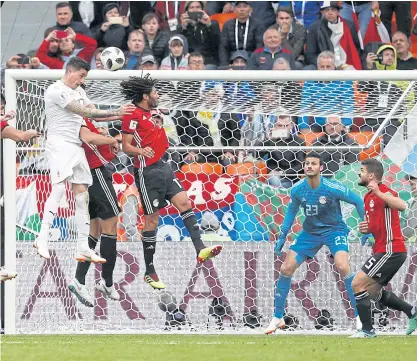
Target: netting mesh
x=239, y=196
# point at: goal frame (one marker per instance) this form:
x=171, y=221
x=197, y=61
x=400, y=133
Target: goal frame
x=10, y=147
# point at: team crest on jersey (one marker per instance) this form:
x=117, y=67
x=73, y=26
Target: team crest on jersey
x=322, y=200
x=371, y=203
x=155, y=203
x=262, y=60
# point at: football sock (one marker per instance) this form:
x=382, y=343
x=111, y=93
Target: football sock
x=149, y=244
x=283, y=287
x=348, y=285
x=108, y=251
x=363, y=305
x=392, y=301
x=82, y=267
x=50, y=210
x=82, y=220
x=190, y=222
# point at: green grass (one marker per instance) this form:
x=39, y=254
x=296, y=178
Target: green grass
x=206, y=348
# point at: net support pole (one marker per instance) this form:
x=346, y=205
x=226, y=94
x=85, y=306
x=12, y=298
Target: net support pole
x=9, y=179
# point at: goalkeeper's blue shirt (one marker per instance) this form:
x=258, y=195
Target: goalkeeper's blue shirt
x=321, y=207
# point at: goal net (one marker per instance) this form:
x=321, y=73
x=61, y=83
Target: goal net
x=238, y=140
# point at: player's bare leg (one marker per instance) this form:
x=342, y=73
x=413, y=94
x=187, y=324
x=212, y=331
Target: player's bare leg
x=149, y=245
x=49, y=213
x=341, y=260
x=82, y=220
x=183, y=204
x=290, y=265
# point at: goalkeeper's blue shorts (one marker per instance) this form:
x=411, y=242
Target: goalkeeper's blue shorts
x=307, y=245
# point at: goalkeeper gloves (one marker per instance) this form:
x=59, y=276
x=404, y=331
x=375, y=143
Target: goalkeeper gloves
x=279, y=244
x=367, y=239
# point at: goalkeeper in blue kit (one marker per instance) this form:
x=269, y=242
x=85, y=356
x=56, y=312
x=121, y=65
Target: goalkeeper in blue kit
x=320, y=200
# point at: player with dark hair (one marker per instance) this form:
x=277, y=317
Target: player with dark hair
x=104, y=211
x=320, y=199
x=156, y=182
x=8, y=132
x=389, y=252
x=66, y=104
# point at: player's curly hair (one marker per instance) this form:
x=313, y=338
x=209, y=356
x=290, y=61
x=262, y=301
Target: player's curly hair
x=135, y=87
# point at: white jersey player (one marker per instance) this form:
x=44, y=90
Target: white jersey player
x=66, y=104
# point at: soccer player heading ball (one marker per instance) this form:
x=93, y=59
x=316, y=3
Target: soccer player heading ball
x=382, y=220
x=156, y=182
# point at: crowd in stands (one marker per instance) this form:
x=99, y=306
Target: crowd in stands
x=252, y=35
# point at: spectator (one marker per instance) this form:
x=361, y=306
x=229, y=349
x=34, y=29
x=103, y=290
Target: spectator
x=137, y=10
x=238, y=93
x=384, y=59
x=324, y=98
x=288, y=92
x=64, y=20
x=402, y=11
x=196, y=61
x=263, y=58
x=96, y=60
x=405, y=60
x=284, y=166
x=21, y=61
x=293, y=35
x=363, y=10
x=135, y=46
x=67, y=49
x=410, y=219
x=53, y=48
x=168, y=13
x=382, y=95
x=202, y=34
x=336, y=35
x=177, y=59
x=336, y=135
x=110, y=33
x=148, y=62
x=305, y=12
x=242, y=33
x=264, y=11
x=155, y=39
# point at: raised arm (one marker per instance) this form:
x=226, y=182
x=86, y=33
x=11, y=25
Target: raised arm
x=91, y=112
x=392, y=201
x=19, y=135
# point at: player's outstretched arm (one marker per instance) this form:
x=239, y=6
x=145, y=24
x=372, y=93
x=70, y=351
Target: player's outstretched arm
x=91, y=112
x=19, y=135
x=353, y=198
x=89, y=137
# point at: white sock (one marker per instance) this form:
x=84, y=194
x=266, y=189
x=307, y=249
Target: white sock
x=82, y=220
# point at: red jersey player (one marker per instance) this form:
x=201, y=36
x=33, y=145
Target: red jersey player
x=8, y=132
x=147, y=142
x=382, y=220
x=104, y=211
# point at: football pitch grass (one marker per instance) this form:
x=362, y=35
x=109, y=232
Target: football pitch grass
x=206, y=348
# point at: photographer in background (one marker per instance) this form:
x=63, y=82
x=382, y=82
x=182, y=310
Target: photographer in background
x=21, y=61
x=384, y=59
x=202, y=34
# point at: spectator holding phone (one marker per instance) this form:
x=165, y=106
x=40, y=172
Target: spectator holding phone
x=202, y=34
x=21, y=61
x=67, y=48
x=115, y=29
x=64, y=20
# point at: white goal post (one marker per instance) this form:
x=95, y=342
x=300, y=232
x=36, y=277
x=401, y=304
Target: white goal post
x=243, y=276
